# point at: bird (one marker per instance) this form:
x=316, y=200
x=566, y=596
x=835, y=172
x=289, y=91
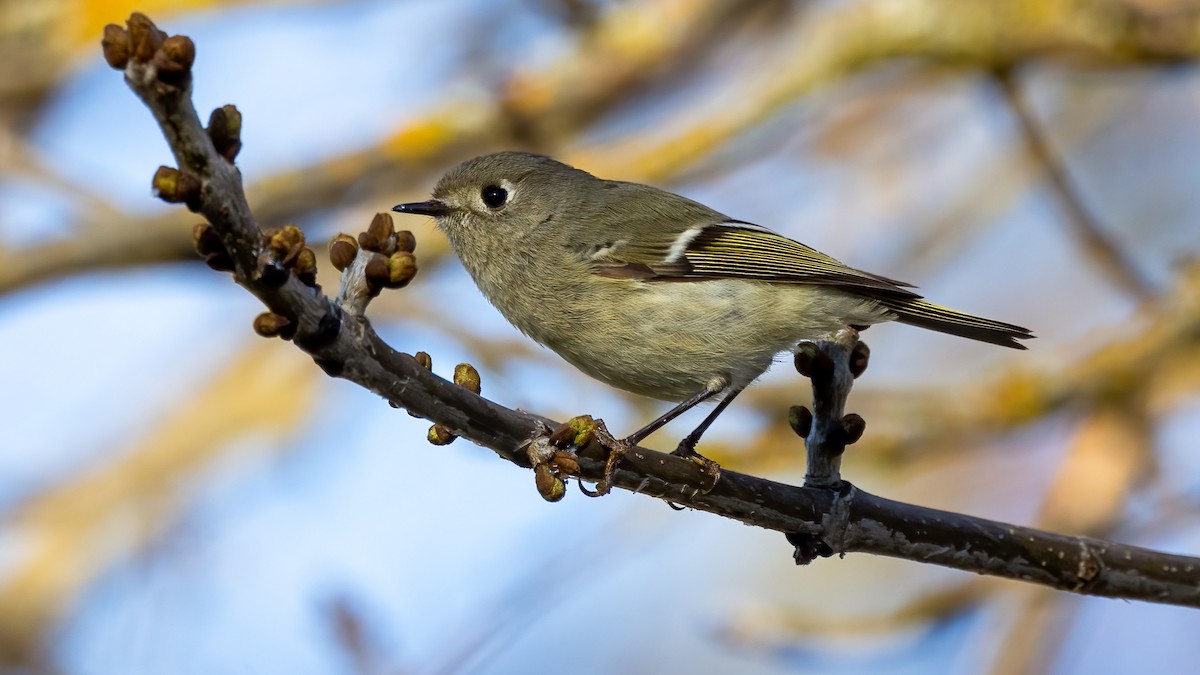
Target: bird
x=654, y=293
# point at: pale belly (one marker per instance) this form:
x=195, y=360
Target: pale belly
x=671, y=340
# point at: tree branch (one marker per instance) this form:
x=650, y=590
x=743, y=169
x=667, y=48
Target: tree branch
x=1104, y=252
x=840, y=516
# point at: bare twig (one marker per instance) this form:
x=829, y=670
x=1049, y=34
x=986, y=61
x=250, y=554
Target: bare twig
x=1101, y=249
x=844, y=519
x=832, y=365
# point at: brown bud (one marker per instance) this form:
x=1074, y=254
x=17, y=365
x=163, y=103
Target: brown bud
x=815, y=364
x=859, y=358
x=115, y=44
x=549, y=486
x=180, y=49
x=424, y=359
x=144, y=37
x=342, y=250
x=377, y=273
x=562, y=436
x=577, y=432
x=806, y=352
x=853, y=425
x=225, y=130
x=173, y=61
x=175, y=187
x=369, y=243
x=284, y=243
x=270, y=324
x=565, y=462
x=381, y=228
x=206, y=241
x=306, y=267
x=405, y=241
x=467, y=377
x=800, y=419
x=402, y=267
x=440, y=435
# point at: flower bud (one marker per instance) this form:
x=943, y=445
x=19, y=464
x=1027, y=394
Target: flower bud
x=382, y=227
x=853, y=426
x=806, y=353
x=342, y=250
x=225, y=130
x=565, y=462
x=206, y=241
x=549, y=486
x=402, y=267
x=144, y=37
x=368, y=242
x=577, y=432
x=306, y=267
x=405, y=241
x=173, y=60
x=269, y=324
x=800, y=419
x=175, y=187
x=859, y=358
x=284, y=243
x=467, y=377
x=440, y=435
x=377, y=273
x=115, y=45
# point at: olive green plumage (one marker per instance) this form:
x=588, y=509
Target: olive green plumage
x=653, y=292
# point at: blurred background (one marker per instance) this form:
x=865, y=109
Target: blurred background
x=179, y=496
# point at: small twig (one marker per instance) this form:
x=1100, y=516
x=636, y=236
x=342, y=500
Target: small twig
x=829, y=364
x=1103, y=251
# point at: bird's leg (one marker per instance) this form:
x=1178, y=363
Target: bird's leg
x=620, y=448
x=687, y=447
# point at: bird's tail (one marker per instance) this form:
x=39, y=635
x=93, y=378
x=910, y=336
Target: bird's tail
x=915, y=312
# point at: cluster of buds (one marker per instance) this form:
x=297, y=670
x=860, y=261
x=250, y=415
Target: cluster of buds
x=378, y=258
x=140, y=41
x=286, y=253
x=391, y=263
x=553, y=457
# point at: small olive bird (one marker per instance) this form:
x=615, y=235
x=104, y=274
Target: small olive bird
x=652, y=292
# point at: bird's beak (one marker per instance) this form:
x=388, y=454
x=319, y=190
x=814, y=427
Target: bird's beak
x=432, y=207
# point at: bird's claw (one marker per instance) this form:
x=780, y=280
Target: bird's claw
x=706, y=465
x=617, y=449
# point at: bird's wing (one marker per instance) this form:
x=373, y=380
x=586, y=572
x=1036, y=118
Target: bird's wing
x=734, y=250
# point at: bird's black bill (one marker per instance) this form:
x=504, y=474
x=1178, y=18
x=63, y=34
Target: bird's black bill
x=430, y=208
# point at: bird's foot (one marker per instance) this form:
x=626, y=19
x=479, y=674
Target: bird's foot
x=687, y=450
x=617, y=449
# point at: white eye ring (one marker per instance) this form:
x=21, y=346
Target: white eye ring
x=496, y=195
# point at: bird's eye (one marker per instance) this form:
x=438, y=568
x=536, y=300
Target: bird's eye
x=494, y=196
